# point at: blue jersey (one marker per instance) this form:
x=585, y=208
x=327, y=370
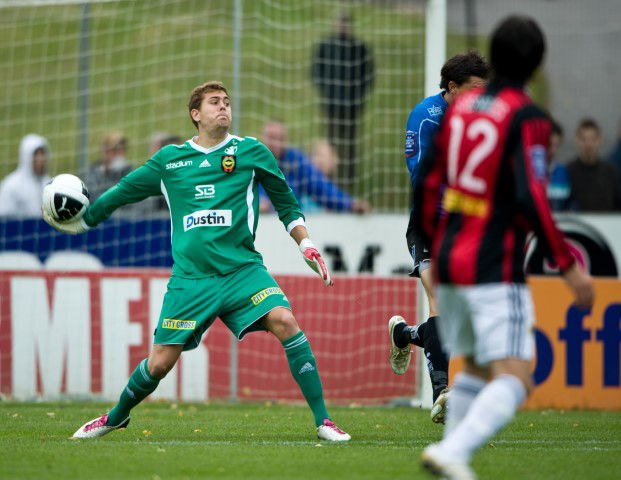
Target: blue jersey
x=559, y=188
x=422, y=125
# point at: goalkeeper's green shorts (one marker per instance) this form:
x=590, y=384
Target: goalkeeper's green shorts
x=240, y=299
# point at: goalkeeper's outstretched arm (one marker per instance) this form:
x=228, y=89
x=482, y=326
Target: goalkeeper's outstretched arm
x=134, y=187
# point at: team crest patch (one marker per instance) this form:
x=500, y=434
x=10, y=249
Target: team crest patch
x=263, y=294
x=179, y=324
x=228, y=163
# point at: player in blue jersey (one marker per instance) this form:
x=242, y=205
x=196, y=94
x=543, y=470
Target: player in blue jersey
x=458, y=74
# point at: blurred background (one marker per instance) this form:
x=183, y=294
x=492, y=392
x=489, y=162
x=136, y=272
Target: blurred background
x=74, y=71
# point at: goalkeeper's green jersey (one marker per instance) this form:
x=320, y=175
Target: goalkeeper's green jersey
x=212, y=194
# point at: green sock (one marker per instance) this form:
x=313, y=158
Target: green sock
x=140, y=385
x=304, y=371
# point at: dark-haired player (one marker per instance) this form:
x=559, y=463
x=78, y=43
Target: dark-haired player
x=458, y=74
x=490, y=156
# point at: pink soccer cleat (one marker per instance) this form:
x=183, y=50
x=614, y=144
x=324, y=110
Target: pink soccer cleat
x=329, y=431
x=98, y=428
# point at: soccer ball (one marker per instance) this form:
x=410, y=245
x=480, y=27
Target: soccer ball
x=65, y=198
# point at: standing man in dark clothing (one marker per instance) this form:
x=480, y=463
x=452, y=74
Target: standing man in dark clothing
x=595, y=183
x=343, y=71
x=489, y=157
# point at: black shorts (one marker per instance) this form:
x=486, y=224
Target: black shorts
x=417, y=248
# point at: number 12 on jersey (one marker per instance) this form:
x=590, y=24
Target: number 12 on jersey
x=481, y=137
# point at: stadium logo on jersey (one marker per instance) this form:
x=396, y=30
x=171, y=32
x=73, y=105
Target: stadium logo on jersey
x=204, y=191
x=434, y=111
x=232, y=150
x=179, y=324
x=228, y=163
x=204, y=163
x=179, y=164
x=263, y=294
x=207, y=218
x=537, y=155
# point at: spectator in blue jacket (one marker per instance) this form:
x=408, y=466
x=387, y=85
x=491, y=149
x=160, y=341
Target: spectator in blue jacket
x=559, y=185
x=304, y=177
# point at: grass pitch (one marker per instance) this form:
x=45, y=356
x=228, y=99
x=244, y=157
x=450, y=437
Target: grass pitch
x=169, y=441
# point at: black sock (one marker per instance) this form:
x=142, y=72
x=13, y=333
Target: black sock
x=437, y=361
x=401, y=335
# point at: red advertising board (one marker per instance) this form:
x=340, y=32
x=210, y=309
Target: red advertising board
x=82, y=333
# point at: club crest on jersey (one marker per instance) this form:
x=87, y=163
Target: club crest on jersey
x=228, y=163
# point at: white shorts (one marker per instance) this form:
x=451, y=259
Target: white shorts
x=488, y=322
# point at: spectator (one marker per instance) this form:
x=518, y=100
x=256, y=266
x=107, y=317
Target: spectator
x=160, y=140
x=559, y=187
x=343, y=71
x=324, y=157
x=615, y=155
x=303, y=176
x=595, y=184
x=112, y=166
x=21, y=190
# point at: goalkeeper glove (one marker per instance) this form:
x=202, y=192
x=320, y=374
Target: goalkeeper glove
x=72, y=227
x=313, y=258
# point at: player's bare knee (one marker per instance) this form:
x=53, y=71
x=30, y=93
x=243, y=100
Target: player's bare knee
x=471, y=368
x=163, y=359
x=282, y=323
x=515, y=367
x=159, y=368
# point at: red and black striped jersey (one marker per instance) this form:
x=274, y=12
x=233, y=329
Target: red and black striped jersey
x=487, y=165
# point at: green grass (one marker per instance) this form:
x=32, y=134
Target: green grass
x=247, y=441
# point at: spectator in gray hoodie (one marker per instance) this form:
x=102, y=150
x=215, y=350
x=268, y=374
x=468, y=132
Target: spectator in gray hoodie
x=21, y=190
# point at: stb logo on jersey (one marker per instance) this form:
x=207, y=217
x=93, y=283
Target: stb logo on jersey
x=207, y=218
x=228, y=163
x=204, y=191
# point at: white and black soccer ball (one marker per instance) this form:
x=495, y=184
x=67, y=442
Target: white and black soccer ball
x=65, y=198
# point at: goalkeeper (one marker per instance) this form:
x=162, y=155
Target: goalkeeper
x=211, y=186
